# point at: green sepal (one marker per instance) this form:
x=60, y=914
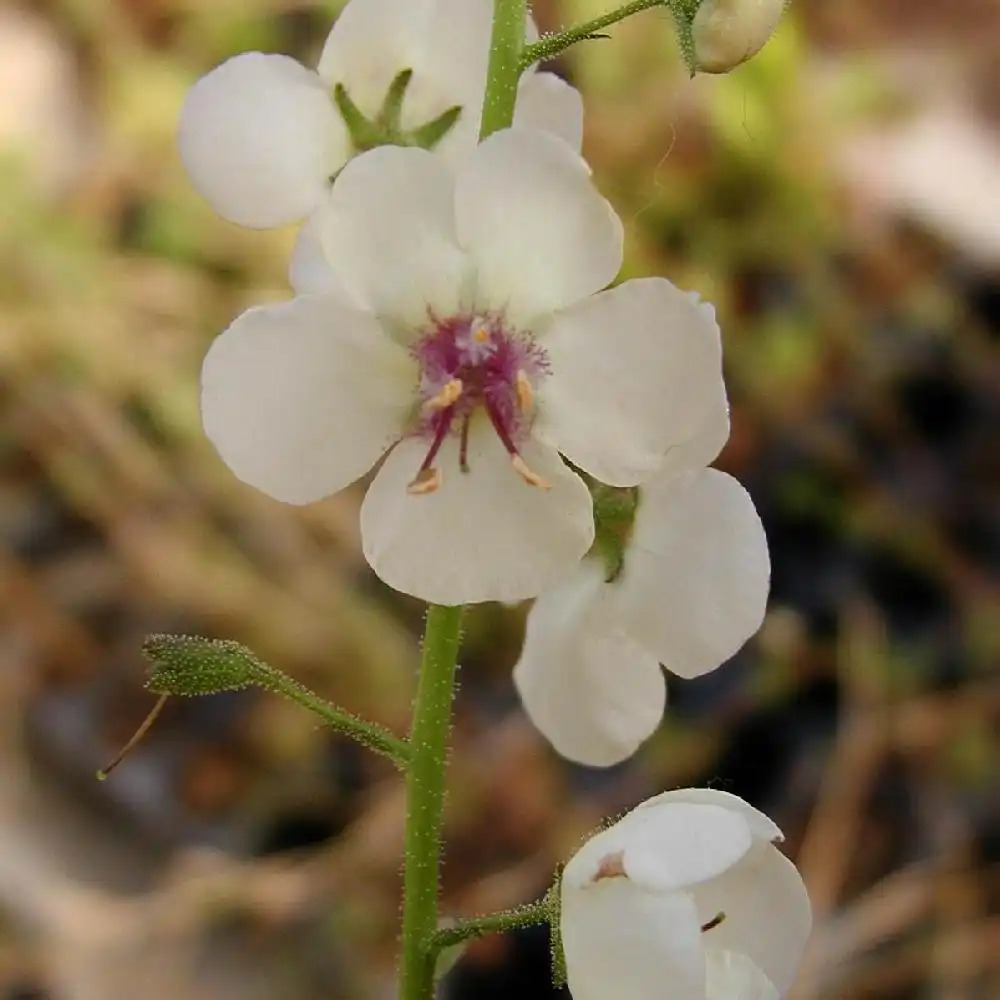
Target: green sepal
x=614, y=514
x=429, y=135
x=364, y=134
x=391, y=115
x=386, y=128
x=189, y=665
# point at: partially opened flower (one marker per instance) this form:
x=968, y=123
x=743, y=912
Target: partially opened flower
x=261, y=136
x=465, y=338
x=686, y=897
x=693, y=588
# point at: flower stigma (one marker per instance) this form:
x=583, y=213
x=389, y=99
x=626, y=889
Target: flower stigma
x=472, y=363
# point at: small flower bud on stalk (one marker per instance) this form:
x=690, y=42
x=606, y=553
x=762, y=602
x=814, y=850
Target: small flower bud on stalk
x=726, y=33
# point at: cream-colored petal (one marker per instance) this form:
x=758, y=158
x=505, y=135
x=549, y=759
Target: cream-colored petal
x=388, y=231
x=591, y=691
x=695, y=583
x=484, y=535
x=309, y=272
x=731, y=976
x=260, y=139
x=636, y=370
x=302, y=398
x=623, y=943
x=541, y=235
x=768, y=916
x=666, y=847
x=710, y=434
x=548, y=103
x=761, y=825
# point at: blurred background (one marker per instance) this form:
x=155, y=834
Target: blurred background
x=838, y=198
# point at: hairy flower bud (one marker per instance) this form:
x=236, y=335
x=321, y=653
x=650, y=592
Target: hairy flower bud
x=727, y=33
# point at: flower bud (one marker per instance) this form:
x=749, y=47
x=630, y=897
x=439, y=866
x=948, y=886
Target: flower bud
x=727, y=33
x=686, y=890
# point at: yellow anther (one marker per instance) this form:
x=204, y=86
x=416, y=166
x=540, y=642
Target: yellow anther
x=481, y=335
x=531, y=478
x=446, y=397
x=525, y=394
x=427, y=481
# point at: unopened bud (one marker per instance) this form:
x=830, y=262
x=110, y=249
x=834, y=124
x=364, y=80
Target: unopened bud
x=726, y=33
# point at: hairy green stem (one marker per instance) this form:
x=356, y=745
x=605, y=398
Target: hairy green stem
x=505, y=65
x=552, y=45
x=425, y=799
x=370, y=734
x=538, y=912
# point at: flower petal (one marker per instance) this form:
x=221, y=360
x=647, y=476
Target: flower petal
x=624, y=943
x=388, y=231
x=731, y=976
x=548, y=103
x=761, y=825
x=260, y=139
x=309, y=272
x=444, y=42
x=705, y=443
x=302, y=398
x=539, y=231
x=591, y=691
x=667, y=847
x=485, y=535
x=694, y=587
x=636, y=370
x=767, y=912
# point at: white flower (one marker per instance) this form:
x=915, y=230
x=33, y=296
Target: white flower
x=261, y=136
x=465, y=337
x=692, y=590
x=685, y=897
x=727, y=33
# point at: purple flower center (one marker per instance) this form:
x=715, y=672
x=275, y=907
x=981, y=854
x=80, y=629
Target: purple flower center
x=468, y=363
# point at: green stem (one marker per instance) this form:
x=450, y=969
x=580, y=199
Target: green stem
x=425, y=798
x=370, y=734
x=505, y=65
x=538, y=912
x=552, y=45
